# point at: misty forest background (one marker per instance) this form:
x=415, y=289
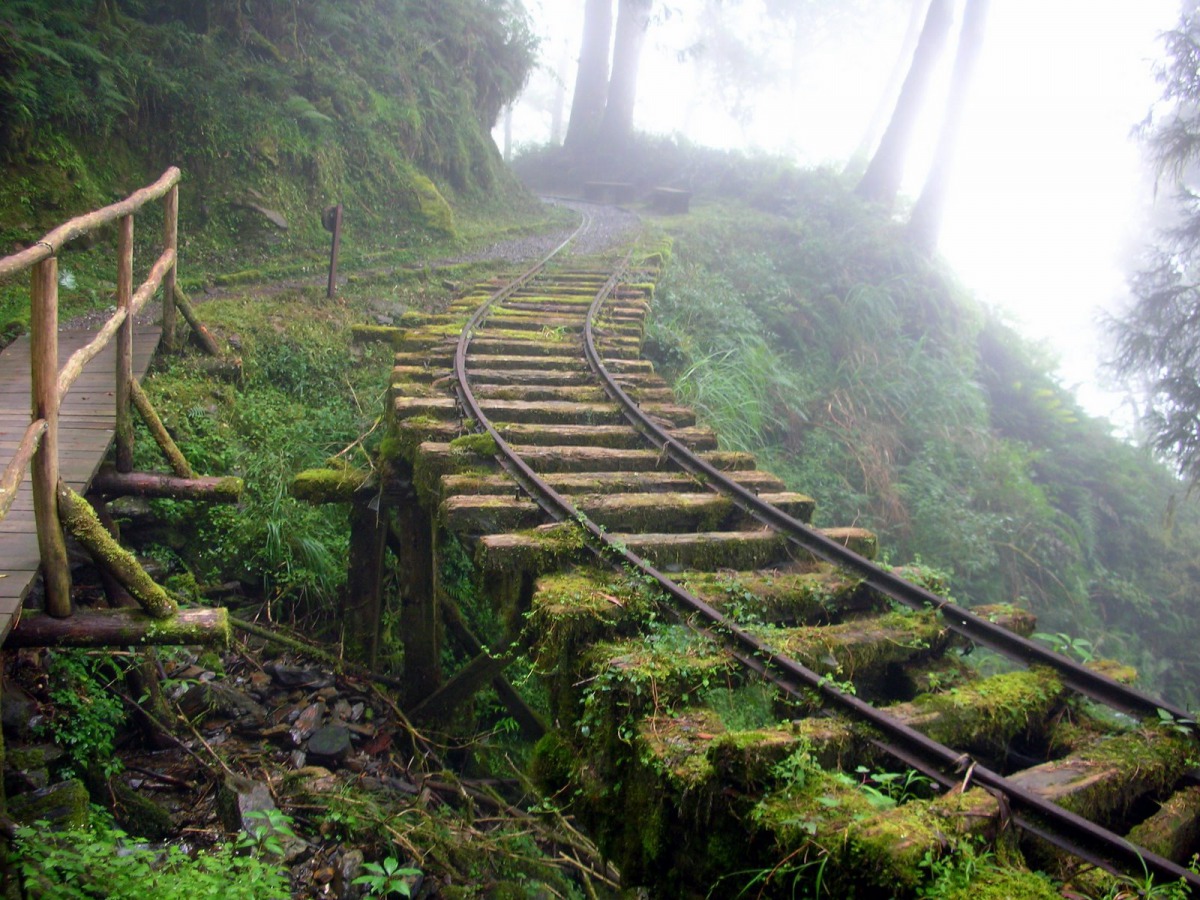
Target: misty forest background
x=801, y=317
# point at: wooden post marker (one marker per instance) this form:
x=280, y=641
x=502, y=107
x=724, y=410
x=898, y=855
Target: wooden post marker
x=332, y=220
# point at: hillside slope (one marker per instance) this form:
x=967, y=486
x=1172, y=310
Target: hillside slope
x=273, y=110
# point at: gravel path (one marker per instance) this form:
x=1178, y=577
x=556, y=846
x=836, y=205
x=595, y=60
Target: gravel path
x=610, y=228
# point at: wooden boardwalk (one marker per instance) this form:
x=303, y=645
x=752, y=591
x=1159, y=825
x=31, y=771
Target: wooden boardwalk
x=85, y=430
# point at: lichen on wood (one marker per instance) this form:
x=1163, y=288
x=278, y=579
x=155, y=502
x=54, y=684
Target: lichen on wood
x=81, y=521
x=330, y=485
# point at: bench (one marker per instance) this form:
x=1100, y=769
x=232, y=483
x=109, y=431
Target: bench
x=670, y=200
x=608, y=191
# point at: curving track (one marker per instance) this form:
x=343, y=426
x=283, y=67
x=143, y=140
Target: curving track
x=635, y=461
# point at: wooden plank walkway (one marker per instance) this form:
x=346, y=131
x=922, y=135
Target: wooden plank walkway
x=86, y=422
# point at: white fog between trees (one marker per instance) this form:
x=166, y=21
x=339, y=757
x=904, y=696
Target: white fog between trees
x=1050, y=197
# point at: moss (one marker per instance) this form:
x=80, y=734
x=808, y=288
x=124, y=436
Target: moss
x=552, y=763
x=778, y=597
x=988, y=714
x=1117, y=671
x=433, y=208
x=365, y=334
x=327, y=485
x=887, y=849
x=860, y=647
x=1174, y=829
x=536, y=550
x=1003, y=884
x=1102, y=781
x=482, y=444
x=748, y=758
x=630, y=678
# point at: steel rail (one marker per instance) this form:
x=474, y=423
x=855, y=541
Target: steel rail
x=1073, y=833
x=959, y=619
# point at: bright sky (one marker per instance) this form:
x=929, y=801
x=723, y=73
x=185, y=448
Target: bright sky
x=1048, y=187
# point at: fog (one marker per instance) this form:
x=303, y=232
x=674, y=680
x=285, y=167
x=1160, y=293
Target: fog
x=1048, y=195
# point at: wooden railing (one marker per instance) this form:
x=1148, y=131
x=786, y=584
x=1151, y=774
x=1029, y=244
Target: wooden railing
x=38, y=448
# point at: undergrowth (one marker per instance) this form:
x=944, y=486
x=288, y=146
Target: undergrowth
x=805, y=329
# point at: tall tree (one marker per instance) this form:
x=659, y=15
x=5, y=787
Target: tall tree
x=887, y=100
x=591, y=82
x=881, y=182
x=1157, y=341
x=926, y=222
x=633, y=19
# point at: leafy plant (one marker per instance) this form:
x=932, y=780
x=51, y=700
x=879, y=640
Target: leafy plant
x=265, y=832
x=101, y=861
x=86, y=714
x=388, y=879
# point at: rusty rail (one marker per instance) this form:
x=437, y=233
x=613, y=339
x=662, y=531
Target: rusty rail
x=1070, y=832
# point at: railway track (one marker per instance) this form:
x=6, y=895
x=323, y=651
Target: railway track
x=593, y=503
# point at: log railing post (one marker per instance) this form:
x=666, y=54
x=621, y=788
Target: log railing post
x=43, y=339
x=170, y=242
x=124, y=391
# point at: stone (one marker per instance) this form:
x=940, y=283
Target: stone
x=64, y=805
x=329, y=744
x=17, y=709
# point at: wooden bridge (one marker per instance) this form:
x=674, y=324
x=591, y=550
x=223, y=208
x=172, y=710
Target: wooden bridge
x=64, y=399
x=87, y=423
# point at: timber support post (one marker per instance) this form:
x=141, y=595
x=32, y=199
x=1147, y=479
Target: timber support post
x=43, y=337
x=412, y=542
x=124, y=429
x=364, y=581
x=170, y=285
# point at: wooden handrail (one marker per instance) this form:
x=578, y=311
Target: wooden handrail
x=49, y=384
x=81, y=357
x=14, y=472
x=80, y=225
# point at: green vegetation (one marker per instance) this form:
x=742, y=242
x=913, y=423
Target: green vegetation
x=807, y=330
x=102, y=861
x=266, y=107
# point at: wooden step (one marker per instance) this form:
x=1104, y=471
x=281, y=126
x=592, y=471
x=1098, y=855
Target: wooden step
x=659, y=512
x=783, y=598
x=542, y=412
x=572, y=393
x=630, y=381
x=607, y=483
x=416, y=430
x=445, y=459
x=534, y=552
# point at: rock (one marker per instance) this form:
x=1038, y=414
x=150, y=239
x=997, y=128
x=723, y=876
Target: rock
x=329, y=744
x=275, y=218
x=307, y=722
x=64, y=805
x=218, y=698
x=139, y=815
x=350, y=868
x=17, y=708
x=293, y=676
x=247, y=805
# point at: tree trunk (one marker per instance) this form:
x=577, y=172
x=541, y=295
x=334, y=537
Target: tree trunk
x=887, y=100
x=881, y=182
x=633, y=19
x=560, y=96
x=926, y=222
x=591, y=80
